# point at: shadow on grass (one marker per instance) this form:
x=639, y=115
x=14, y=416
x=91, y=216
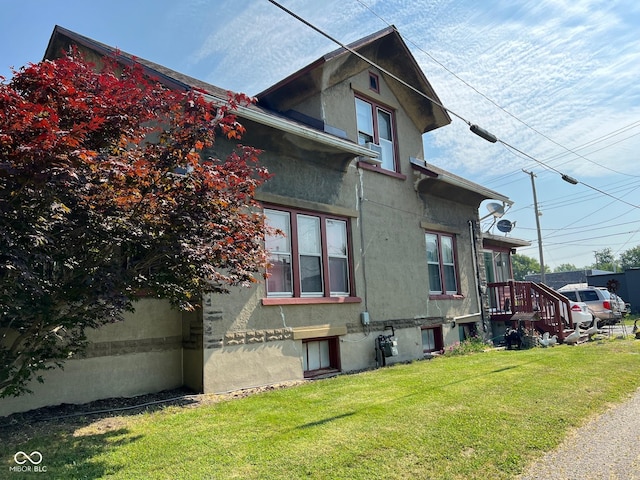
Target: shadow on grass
x=65, y=455
x=20, y=427
x=491, y=372
x=464, y=379
x=326, y=420
x=55, y=433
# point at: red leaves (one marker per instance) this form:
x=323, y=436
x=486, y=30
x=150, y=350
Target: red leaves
x=128, y=158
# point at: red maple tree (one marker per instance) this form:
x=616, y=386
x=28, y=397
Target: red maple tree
x=107, y=188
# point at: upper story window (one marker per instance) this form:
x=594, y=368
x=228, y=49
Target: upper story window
x=374, y=82
x=312, y=259
x=441, y=261
x=376, y=125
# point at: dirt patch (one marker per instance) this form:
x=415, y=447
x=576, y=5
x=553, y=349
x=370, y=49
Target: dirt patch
x=105, y=415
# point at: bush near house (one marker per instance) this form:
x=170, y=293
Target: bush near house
x=106, y=189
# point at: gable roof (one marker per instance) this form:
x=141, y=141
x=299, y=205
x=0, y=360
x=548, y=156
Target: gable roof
x=268, y=125
x=384, y=49
x=273, y=130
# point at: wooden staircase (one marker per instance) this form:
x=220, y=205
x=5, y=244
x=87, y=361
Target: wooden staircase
x=531, y=305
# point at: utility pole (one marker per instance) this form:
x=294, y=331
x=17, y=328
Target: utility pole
x=535, y=206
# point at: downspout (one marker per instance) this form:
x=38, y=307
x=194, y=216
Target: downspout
x=360, y=200
x=476, y=272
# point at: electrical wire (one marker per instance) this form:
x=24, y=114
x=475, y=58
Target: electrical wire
x=479, y=131
x=365, y=59
x=568, y=150
x=560, y=173
x=607, y=136
x=474, y=128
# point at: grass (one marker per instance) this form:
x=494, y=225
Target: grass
x=478, y=416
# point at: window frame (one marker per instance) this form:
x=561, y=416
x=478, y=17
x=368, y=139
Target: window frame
x=500, y=263
x=374, y=82
x=443, y=292
x=438, y=340
x=297, y=296
x=333, y=356
x=375, y=108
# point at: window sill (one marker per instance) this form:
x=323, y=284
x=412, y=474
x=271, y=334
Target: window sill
x=309, y=300
x=373, y=168
x=445, y=297
x=322, y=373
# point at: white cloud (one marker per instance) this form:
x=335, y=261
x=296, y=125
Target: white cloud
x=566, y=68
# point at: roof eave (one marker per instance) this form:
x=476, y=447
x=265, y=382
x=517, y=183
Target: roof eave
x=297, y=129
x=425, y=174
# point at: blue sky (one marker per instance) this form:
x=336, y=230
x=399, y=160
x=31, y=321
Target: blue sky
x=556, y=79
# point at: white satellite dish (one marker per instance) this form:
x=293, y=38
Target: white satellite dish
x=505, y=226
x=495, y=209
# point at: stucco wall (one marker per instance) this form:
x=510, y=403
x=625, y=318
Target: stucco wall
x=249, y=365
x=357, y=350
x=247, y=343
x=142, y=354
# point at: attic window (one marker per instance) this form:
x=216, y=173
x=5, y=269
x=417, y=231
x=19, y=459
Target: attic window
x=374, y=82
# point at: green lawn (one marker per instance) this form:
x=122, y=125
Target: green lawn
x=478, y=416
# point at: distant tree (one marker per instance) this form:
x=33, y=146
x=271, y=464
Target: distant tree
x=105, y=191
x=523, y=265
x=605, y=260
x=630, y=258
x=565, y=267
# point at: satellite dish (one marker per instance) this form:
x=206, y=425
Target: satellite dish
x=505, y=226
x=495, y=209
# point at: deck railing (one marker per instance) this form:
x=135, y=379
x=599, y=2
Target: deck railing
x=548, y=310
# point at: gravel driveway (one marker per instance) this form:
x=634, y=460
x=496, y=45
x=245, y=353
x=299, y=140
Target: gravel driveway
x=608, y=447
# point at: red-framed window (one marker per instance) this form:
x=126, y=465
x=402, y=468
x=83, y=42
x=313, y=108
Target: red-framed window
x=441, y=263
x=432, y=339
x=376, y=125
x=312, y=259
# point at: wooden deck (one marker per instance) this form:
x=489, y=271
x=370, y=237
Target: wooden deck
x=530, y=305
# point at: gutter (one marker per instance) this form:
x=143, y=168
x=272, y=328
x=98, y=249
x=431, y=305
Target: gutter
x=255, y=115
x=421, y=166
x=489, y=194
x=298, y=130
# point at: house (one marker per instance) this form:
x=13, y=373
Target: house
x=378, y=241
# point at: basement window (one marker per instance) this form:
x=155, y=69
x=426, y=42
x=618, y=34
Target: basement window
x=432, y=339
x=320, y=356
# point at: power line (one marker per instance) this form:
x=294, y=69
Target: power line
x=590, y=143
x=473, y=127
x=568, y=150
x=563, y=175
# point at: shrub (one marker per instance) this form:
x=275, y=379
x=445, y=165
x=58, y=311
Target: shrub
x=473, y=344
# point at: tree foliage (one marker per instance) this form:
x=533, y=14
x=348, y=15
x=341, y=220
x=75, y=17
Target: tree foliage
x=523, y=265
x=106, y=190
x=605, y=260
x=630, y=258
x=565, y=267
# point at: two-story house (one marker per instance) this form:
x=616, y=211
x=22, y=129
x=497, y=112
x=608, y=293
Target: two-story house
x=377, y=240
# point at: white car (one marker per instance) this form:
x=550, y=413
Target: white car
x=598, y=300
x=581, y=315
